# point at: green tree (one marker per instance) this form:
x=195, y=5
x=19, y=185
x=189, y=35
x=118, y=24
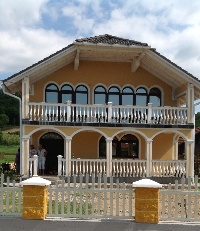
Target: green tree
x=4, y=119
x=197, y=119
x=10, y=107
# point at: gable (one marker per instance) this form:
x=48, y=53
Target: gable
x=107, y=48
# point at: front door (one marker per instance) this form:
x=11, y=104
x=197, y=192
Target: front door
x=54, y=145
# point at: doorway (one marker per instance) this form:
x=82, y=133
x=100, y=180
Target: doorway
x=54, y=145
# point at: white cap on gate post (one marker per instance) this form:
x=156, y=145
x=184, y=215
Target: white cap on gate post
x=35, y=180
x=146, y=183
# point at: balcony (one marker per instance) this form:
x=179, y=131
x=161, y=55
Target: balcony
x=108, y=114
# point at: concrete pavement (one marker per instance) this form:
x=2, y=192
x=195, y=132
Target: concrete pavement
x=19, y=224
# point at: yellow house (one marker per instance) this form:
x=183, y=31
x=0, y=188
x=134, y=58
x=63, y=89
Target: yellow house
x=107, y=105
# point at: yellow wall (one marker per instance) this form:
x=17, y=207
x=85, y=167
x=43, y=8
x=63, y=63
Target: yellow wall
x=85, y=145
x=162, y=147
x=107, y=73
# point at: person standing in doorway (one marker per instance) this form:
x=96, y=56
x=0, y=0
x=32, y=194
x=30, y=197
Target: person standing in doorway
x=32, y=152
x=42, y=153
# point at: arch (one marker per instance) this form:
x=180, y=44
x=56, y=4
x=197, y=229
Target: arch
x=81, y=94
x=170, y=131
x=51, y=93
x=131, y=131
x=89, y=129
x=100, y=95
x=155, y=96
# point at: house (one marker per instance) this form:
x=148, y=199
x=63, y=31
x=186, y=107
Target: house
x=107, y=105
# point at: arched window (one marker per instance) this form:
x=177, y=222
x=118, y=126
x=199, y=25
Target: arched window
x=127, y=147
x=81, y=95
x=100, y=95
x=141, y=97
x=155, y=96
x=113, y=95
x=51, y=93
x=127, y=96
x=67, y=93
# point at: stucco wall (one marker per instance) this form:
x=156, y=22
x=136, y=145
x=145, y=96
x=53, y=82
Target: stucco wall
x=107, y=73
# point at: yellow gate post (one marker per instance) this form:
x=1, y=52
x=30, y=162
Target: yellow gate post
x=146, y=201
x=35, y=198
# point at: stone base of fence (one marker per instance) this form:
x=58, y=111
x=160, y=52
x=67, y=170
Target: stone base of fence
x=147, y=201
x=35, y=198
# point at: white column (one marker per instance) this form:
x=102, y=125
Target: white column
x=68, y=153
x=189, y=149
x=109, y=112
x=109, y=156
x=149, y=113
x=149, y=156
x=24, y=158
x=25, y=97
x=190, y=103
x=175, y=150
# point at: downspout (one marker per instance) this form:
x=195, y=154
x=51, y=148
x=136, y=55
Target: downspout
x=20, y=122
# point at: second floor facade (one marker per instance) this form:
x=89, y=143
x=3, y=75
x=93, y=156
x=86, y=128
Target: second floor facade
x=92, y=82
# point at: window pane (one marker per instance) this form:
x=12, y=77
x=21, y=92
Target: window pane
x=141, y=90
x=127, y=90
x=81, y=98
x=154, y=100
x=127, y=100
x=51, y=97
x=100, y=99
x=114, y=99
x=66, y=88
x=52, y=87
x=100, y=89
x=141, y=100
x=114, y=89
x=66, y=97
x=81, y=88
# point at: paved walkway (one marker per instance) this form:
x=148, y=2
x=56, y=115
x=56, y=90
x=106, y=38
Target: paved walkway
x=19, y=224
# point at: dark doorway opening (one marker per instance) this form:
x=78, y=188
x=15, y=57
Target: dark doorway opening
x=54, y=145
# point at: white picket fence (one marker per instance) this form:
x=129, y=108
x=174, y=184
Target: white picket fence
x=102, y=197
x=91, y=199
x=181, y=202
x=10, y=198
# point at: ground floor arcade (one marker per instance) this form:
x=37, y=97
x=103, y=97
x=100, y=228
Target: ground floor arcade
x=111, y=151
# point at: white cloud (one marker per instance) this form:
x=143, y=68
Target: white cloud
x=172, y=27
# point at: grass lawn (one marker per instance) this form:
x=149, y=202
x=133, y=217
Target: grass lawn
x=7, y=153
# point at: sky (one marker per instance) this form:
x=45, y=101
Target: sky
x=31, y=30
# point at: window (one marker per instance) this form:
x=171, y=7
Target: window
x=113, y=95
x=100, y=95
x=127, y=147
x=155, y=96
x=67, y=93
x=81, y=95
x=127, y=96
x=51, y=93
x=141, y=97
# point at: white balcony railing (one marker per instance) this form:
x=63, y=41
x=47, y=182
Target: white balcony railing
x=96, y=113
x=127, y=168
x=168, y=168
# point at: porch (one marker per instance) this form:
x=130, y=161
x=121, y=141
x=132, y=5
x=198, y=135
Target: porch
x=119, y=167
x=99, y=113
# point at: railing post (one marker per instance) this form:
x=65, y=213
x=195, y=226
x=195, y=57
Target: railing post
x=147, y=201
x=34, y=198
x=59, y=165
x=149, y=121
x=35, y=165
x=68, y=110
x=109, y=112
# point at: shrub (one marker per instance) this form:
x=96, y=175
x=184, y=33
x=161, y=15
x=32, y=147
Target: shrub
x=10, y=139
